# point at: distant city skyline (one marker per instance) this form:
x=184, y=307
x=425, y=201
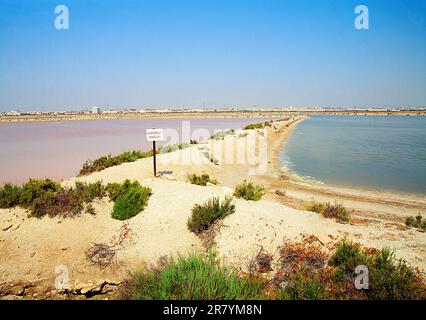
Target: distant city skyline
x=194, y=54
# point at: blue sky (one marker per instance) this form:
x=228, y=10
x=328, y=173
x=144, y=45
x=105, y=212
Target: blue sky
x=180, y=53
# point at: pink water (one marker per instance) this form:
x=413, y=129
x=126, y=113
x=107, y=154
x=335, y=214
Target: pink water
x=57, y=150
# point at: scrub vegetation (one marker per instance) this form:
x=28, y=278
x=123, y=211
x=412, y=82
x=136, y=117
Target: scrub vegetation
x=332, y=211
x=201, y=180
x=249, y=191
x=205, y=215
x=44, y=197
x=303, y=272
x=104, y=162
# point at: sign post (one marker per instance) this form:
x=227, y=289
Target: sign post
x=154, y=135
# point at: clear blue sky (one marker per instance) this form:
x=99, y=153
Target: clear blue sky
x=176, y=53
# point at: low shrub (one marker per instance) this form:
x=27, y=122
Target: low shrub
x=389, y=278
x=104, y=162
x=302, y=274
x=249, y=191
x=201, y=180
x=9, y=196
x=316, y=207
x=336, y=211
x=130, y=199
x=203, y=216
x=196, y=277
x=259, y=125
x=115, y=190
x=68, y=202
x=416, y=222
x=35, y=188
x=347, y=256
x=48, y=198
x=191, y=141
x=303, y=287
x=45, y=197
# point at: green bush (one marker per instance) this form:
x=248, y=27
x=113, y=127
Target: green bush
x=9, y=196
x=45, y=197
x=388, y=278
x=416, y=222
x=303, y=287
x=89, y=191
x=301, y=275
x=34, y=189
x=347, y=256
x=316, y=207
x=249, y=191
x=196, y=277
x=115, y=190
x=336, y=211
x=109, y=161
x=258, y=125
x=130, y=199
x=68, y=202
x=201, y=180
x=203, y=216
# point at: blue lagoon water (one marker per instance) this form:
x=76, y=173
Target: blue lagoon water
x=375, y=153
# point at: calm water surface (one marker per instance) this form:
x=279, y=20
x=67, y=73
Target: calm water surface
x=377, y=153
x=58, y=149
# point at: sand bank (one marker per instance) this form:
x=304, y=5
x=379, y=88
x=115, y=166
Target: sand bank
x=31, y=248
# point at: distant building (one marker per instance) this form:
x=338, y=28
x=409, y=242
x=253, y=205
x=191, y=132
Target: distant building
x=96, y=110
x=13, y=113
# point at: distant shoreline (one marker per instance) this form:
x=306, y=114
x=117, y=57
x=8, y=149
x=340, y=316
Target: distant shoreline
x=207, y=114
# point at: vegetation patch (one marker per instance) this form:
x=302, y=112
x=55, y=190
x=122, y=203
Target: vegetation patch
x=201, y=180
x=196, y=277
x=308, y=273
x=333, y=211
x=45, y=197
x=205, y=215
x=109, y=161
x=260, y=125
x=389, y=278
x=104, y=162
x=416, y=222
x=130, y=199
x=249, y=191
x=304, y=272
x=48, y=198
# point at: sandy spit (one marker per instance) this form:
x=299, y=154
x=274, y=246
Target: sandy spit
x=31, y=249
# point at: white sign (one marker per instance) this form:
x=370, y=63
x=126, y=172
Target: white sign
x=154, y=134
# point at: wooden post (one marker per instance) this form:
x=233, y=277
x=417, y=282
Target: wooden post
x=154, y=154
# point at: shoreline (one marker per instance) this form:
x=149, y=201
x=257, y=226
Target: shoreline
x=278, y=147
x=206, y=114
x=361, y=199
